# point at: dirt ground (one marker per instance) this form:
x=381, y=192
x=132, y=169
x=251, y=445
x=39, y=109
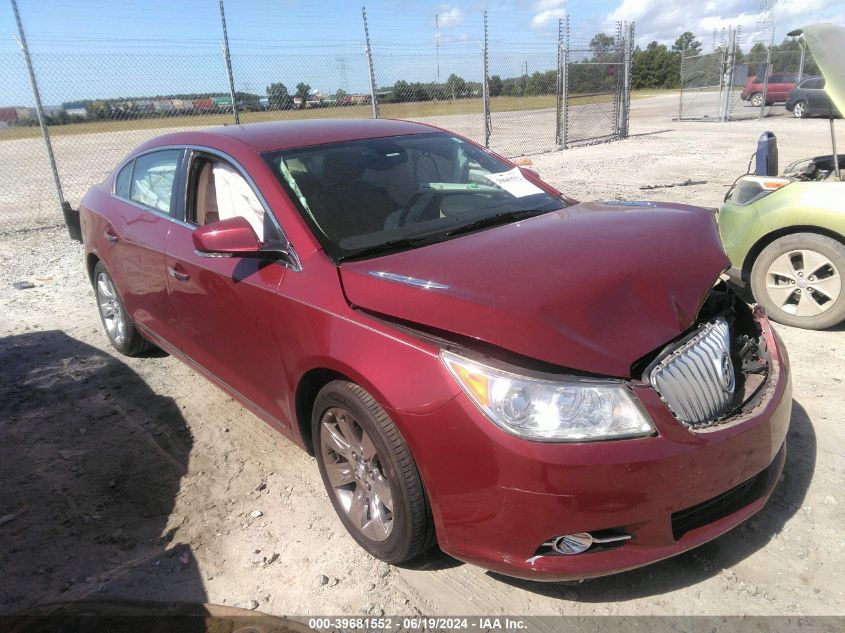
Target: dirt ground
x=136, y=478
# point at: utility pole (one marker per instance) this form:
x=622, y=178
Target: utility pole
x=228, y=58
x=71, y=217
x=437, y=43
x=369, y=51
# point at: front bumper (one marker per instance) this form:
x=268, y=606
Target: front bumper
x=497, y=498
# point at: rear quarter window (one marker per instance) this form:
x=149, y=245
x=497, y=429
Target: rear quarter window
x=153, y=177
x=121, y=183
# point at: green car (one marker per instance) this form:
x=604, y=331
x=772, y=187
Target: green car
x=785, y=235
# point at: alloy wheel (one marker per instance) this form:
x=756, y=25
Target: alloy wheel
x=356, y=473
x=803, y=283
x=800, y=110
x=757, y=100
x=111, y=310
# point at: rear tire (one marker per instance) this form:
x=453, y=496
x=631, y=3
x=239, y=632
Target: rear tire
x=369, y=474
x=798, y=280
x=116, y=321
x=801, y=110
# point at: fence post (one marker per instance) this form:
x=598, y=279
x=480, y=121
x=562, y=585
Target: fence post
x=71, y=217
x=369, y=52
x=681, y=91
x=728, y=76
x=801, y=62
x=626, y=88
x=558, y=81
x=563, y=87
x=485, y=89
x=766, y=78
x=228, y=58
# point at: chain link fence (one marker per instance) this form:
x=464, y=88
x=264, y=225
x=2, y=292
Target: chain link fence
x=520, y=106
x=763, y=80
x=729, y=85
x=445, y=92
x=702, y=86
x=523, y=102
x=597, y=88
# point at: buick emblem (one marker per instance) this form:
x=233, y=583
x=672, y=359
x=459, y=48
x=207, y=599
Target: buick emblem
x=727, y=373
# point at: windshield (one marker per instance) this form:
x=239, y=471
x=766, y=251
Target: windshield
x=372, y=196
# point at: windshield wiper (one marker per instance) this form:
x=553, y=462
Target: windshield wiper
x=494, y=220
x=412, y=241
x=391, y=245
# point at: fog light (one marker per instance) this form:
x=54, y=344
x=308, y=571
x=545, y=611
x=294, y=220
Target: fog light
x=570, y=544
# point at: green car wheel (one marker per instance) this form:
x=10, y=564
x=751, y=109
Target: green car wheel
x=798, y=280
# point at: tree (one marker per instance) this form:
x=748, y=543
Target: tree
x=601, y=45
x=495, y=85
x=655, y=67
x=456, y=86
x=303, y=90
x=277, y=96
x=686, y=43
x=340, y=96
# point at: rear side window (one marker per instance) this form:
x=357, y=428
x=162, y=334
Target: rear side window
x=121, y=183
x=153, y=177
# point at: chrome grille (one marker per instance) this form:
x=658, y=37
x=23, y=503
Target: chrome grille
x=696, y=380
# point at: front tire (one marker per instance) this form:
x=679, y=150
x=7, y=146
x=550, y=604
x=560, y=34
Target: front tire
x=369, y=474
x=757, y=99
x=798, y=280
x=800, y=110
x=117, y=323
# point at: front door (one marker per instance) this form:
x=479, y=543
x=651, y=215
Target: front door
x=227, y=307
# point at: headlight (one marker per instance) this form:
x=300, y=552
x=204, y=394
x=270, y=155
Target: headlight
x=548, y=410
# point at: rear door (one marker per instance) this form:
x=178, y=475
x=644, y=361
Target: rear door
x=135, y=238
x=228, y=308
x=780, y=86
x=817, y=98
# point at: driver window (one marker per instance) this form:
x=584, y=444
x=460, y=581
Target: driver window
x=220, y=192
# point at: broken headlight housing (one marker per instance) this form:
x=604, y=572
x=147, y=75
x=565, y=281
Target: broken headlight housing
x=575, y=410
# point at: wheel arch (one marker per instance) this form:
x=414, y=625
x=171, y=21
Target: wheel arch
x=768, y=238
x=307, y=388
x=91, y=261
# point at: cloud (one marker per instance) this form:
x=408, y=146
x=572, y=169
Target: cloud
x=450, y=17
x=664, y=20
x=546, y=11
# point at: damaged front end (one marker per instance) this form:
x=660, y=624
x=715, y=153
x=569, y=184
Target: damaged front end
x=717, y=371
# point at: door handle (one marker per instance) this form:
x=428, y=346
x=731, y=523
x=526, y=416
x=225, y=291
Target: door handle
x=178, y=274
x=111, y=237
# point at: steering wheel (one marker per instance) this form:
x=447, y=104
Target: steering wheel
x=409, y=205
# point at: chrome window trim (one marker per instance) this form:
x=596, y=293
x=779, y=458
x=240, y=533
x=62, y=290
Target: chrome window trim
x=292, y=262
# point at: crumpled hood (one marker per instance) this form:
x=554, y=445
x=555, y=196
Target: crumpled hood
x=826, y=42
x=593, y=287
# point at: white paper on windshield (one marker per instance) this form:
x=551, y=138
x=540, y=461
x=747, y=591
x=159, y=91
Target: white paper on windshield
x=515, y=183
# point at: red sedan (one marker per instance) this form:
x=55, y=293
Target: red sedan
x=546, y=388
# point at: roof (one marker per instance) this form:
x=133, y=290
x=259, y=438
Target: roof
x=278, y=135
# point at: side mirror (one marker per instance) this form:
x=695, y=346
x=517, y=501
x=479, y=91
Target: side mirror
x=229, y=237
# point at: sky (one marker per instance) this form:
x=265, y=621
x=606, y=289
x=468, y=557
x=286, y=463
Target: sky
x=109, y=48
